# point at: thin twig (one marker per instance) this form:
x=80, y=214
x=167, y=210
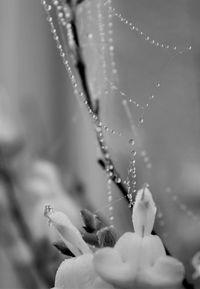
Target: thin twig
x=120, y=185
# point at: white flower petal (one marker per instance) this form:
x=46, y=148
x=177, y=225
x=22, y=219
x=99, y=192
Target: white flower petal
x=68, y=232
x=129, y=247
x=101, y=284
x=110, y=267
x=76, y=273
x=166, y=273
x=152, y=249
x=144, y=211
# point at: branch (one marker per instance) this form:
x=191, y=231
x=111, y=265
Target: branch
x=115, y=176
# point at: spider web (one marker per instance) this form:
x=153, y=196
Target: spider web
x=97, y=27
x=126, y=101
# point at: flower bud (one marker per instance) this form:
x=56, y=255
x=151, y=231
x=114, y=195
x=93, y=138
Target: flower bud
x=91, y=221
x=144, y=211
x=67, y=231
x=106, y=237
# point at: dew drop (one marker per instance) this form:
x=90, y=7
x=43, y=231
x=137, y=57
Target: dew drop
x=143, y=153
x=49, y=8
x=118, y=180
x=141, y=120
x=90, y=36
x=131, y=142
x=134, y=154
x=55, y=2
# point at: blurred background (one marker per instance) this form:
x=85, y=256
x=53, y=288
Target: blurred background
x=48, y=148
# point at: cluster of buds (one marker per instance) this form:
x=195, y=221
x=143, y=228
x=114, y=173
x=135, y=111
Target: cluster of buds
x=95, y=232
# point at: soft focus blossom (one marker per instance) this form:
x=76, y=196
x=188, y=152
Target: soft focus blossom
x=43, y=185
x=138, y=259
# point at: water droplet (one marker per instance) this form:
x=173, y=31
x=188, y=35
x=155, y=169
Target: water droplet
x=49, y=8
x=149, y=166
x=110, y=174
x=49, y=19
x=55, y=2
x=118, y=180
x=107, y=156
x=90, y=36
x=131, y=142
x=141, y=120
x=134, y=154
x=111, y=167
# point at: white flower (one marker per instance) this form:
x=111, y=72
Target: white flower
x=77, y=272
x=138, y=259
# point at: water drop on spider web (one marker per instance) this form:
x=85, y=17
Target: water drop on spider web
x=98, y=44
x=131, y=142
x=96, y=23
x=90, y=36
x=141, y=120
